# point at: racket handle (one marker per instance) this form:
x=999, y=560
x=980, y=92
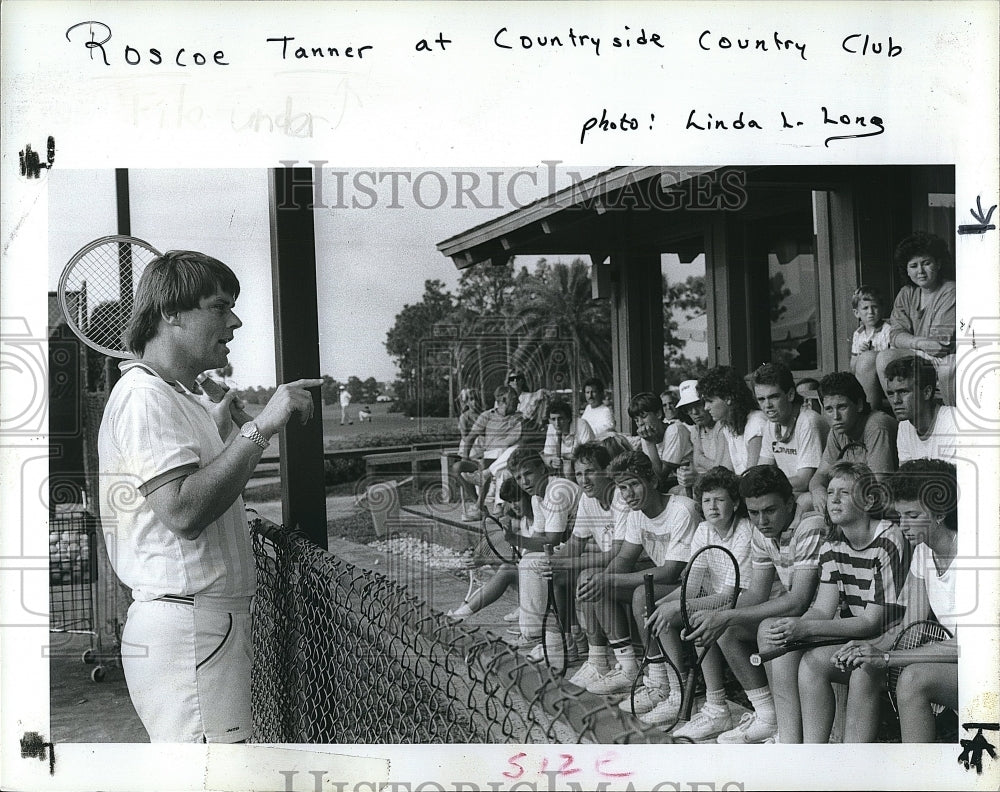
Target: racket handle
x=216, y=392
x=647, y=581
x=548, y=550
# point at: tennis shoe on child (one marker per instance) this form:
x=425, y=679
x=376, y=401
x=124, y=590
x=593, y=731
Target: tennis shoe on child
x=712, y=720
x=646, y=697
x=617, y=682
x=665, y=712
x=513, y=616
x=751, y=730
x=585, y=675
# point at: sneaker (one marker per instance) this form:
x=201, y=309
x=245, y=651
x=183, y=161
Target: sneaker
x=454, y=615
x=749, y=731
x=664, y=713
x=706, y=724
x=616, y=682
x=525, y=641
x=586, y=674
x=513, y=616
x=646, y=697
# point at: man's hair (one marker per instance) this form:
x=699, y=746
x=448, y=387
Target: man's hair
x=593, y=452
x=176, y=281
x=722, y=382
x=922, y=243
x=718, y=478
x=560, y=408
x=843, y=383
x=774, y=374
x=867, y=493
x=594, y=383
x=933, y=483
x=644, y=403
x=502, y=391
x=632, y=464
x=913, y=368
x=616, y=444
x=518, y=376
x=866, y=292
x=761, y=480
x=523, y=457
x=509, y=492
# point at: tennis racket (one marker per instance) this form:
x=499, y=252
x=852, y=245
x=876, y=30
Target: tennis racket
x=711, y=582
x=515, y=552
x=757, y=658
x=911, y=637
x=652, y=639
x=552, y=609
x=97, y=296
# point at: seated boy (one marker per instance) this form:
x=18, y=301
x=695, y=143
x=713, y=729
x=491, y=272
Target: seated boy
x=863, y=564
x=724, y=525
x=709, y=446
x=668, y=445
x=784, y=549
x=857, y=433
x=592, y=545
x=553, y=504
x=500, y=429
x=926, y=429
x=871, y=337
x=661, y=525
x=794, y=437
x=562, y=438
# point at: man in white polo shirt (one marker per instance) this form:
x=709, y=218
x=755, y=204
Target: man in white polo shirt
x=173, y=467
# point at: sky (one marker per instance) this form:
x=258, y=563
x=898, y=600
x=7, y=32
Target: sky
x=376, y=237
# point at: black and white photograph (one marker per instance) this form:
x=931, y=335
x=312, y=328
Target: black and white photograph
x=567, y=465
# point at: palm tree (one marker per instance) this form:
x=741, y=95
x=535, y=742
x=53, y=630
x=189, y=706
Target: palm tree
x=555, y=310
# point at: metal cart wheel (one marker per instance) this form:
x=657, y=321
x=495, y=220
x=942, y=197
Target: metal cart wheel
x=89, y=657
x=98, y=674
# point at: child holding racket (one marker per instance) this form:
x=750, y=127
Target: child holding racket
x=785, y=573
x=592, y=545
x=661, y=525
x=725, y=525
x=925, y=494
x=863, y=564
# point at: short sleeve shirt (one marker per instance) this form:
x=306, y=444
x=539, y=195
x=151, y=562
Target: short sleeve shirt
x=600, y=419
x=595, y=522
x=738, y=454
x=797, y=548
x=941, y=443
x=870, y=575
x=804, y=449
x=736, y=542
x=154, y=432
x=940, y=588
x=553, y=510
x=666, y=537
x=874, y=444
x=579, y=434
x=863, y=341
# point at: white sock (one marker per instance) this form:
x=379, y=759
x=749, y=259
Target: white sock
x=717, y=698
x=597, y=656
x=625, y=655
x=763, y=704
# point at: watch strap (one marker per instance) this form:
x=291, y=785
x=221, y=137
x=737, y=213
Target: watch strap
x=250, y=431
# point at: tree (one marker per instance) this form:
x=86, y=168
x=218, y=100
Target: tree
x=557, y=314
x=413, y=326
x=369, y=390
x=682, y=302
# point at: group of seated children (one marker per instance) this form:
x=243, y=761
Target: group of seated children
x=797, y=496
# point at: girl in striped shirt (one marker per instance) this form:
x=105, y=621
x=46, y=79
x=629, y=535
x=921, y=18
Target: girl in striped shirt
x=863, y=564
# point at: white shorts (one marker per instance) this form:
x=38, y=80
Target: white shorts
x=188, y=669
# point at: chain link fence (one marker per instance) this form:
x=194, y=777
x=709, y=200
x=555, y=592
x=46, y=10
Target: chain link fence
x=343, y=654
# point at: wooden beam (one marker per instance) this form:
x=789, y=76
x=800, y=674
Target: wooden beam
x=296, y=342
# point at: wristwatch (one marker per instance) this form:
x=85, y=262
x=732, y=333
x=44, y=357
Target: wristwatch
x=250, y=431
